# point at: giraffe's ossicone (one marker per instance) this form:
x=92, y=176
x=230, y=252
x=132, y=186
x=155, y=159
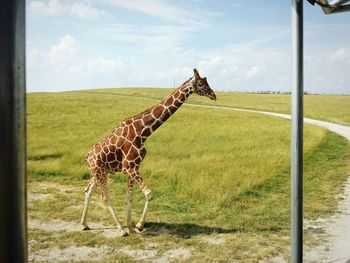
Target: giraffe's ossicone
x=124, y=150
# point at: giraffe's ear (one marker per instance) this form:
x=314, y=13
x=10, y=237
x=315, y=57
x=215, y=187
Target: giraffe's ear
x=196, y=74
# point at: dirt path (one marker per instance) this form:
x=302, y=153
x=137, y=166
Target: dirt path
x=336, y=228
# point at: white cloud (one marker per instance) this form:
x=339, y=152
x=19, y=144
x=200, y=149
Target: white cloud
x=62, y=65
x=340, y=54
x=85, y=11
x=64, y=49
x=64, y=56
x=153, y=38
x=80, y=10
x=164, y=10
x=103, y=65
x=211, y=64
x=60, y=57
x=52, y=8
x=66, y=45
x=254, y=70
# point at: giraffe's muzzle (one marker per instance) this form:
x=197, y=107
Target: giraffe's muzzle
x=212, y=96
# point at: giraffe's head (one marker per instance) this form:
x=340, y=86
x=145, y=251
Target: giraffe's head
x=201, y=86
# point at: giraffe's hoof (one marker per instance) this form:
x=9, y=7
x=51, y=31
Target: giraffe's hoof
x=86, y=228
x=124, y=233
x=139, y=228
x=138, y=231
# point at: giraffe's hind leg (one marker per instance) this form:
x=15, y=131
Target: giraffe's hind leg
x=129, y=201
x=88, y=193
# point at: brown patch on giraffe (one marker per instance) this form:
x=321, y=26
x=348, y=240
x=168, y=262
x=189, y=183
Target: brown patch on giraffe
x=133, y=153
x=137, y=142
x=148, y=119
x=89, y=159
x=113, y=139
x=143, y=153
x=126, y=146
x=137, y=125
x=132, y=133
x=166, y=115
x=176, y=94
x=182, y=98
x=125, y=164
x=119, y=155
x=118, y=131
x=110, y=157
x=120, y=142
x=104, y=147
x=97, y=148
x=177, y=103
x=138, y=160
x=128, y=121
x=125, y=131
x=146, y=132
x=111, y=148
x=113, y=165
x=157, y=124
x=98, y=163
x=169, y=101
x=173, y=109
x=103, y=157
x=157, y=111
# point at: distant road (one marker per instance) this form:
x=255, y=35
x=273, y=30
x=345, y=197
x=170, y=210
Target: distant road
x=337, y=128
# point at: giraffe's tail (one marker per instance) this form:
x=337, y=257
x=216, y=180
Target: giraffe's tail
x=87, y=156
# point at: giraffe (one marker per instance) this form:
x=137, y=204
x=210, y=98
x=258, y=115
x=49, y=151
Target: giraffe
x=124, y=150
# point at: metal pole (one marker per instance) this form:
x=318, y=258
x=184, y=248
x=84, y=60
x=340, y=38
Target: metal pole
x=13, y=237
x=297, y=134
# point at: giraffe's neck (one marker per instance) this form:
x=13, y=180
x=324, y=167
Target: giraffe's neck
x=159, y=113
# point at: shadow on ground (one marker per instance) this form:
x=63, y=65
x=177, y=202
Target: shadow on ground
x=183, y=230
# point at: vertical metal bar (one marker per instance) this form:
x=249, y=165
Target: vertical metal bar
x=297, y=134
x=13, y=237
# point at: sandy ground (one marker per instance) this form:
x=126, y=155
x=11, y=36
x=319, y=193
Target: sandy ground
x=336, y=230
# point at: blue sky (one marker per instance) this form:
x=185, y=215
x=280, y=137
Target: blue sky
x=238, y=45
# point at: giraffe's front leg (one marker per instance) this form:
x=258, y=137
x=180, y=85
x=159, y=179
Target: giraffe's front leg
x=148, y=196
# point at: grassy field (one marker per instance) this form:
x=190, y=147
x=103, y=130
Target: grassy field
x=220, y=179
x=322, y=107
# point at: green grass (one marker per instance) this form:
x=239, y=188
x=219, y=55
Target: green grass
x=322, y=107
x=211, y=171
